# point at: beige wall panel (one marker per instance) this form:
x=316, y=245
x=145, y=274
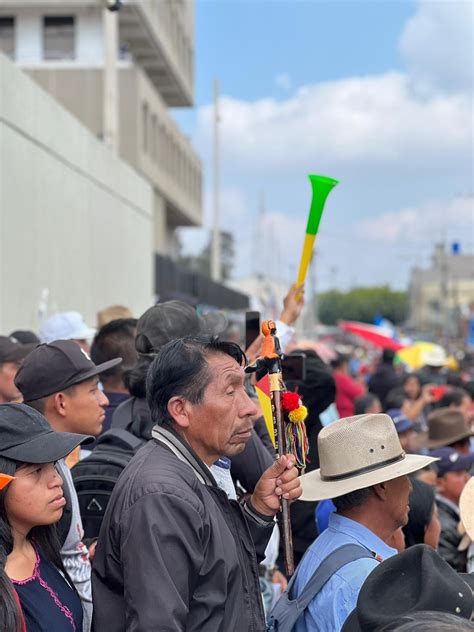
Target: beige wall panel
x=73, y=218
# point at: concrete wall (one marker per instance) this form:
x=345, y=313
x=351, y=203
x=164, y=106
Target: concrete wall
x=169, y=160
x=74, y=219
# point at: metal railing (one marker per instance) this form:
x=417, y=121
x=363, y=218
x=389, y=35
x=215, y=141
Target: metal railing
x=175, y=281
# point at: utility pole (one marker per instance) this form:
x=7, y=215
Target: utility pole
x=314, y=287
x=110, y=110
x=444, y=291
x=216, y=268
x=310, y=314
x=258, y=259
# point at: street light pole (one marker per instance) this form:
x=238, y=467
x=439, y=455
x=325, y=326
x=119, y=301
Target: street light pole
x=110, y=109
x=216, y=268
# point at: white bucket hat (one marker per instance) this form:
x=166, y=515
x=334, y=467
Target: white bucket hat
x=65, y=326
x=357, y=452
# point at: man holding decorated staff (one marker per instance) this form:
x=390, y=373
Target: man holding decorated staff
x=174, y=551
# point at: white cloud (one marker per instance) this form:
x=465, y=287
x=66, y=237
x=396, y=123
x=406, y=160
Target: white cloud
x=265, y=242
x=437, y=45
x=283, y=81
x=432, y=220
x=233, y=207
x=399, y=128
x=374, y=119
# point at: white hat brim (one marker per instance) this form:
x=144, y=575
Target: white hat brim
x=314, y=488
x=82, y=334
x=466, y=507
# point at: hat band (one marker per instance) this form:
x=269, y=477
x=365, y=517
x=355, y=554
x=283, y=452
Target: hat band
x=362, y=470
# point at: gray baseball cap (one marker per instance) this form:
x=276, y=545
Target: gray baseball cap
x=26, y=436
x=174, y=319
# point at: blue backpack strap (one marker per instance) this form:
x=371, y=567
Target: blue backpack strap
x=287, y=611
x=333, y=562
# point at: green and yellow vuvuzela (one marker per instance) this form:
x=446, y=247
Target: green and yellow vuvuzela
x=322, y=187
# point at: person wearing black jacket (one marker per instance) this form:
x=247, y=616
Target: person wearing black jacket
x=318, y=391
x=174, y=551
x=385, y=377
x=157, y=326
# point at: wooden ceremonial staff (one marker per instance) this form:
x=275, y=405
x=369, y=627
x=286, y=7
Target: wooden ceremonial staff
x=270, y=362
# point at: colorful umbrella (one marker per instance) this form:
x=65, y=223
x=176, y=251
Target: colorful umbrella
x=373, y=334
x=421, y=353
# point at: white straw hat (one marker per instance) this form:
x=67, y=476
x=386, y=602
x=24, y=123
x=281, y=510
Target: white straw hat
x=357, y=452
x=466, y=507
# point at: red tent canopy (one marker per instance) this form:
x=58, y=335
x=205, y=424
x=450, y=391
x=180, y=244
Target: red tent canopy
x=371, y=333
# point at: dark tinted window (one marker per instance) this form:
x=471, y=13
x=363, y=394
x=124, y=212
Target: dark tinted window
x=58, y=37
x=7, y=36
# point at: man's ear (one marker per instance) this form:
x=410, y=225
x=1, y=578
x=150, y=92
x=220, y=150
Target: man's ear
x=178, y=411
x=57, y=404
x=381, y=491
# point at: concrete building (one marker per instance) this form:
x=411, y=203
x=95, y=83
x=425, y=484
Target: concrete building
x=61, y=44
x=75, y=220
x=442, y=296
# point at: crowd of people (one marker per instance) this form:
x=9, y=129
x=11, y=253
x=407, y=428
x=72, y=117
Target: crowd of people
x=139, y=488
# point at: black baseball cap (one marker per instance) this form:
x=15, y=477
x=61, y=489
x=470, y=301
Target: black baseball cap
x=26, y=436
x=11, y=350
x=25, y=337
x=174, y=319
x=54, y=367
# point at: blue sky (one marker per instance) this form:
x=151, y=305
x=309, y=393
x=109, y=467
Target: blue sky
x=377, y=94
x=246, y=44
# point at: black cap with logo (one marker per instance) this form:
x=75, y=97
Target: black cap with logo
x=54, y=367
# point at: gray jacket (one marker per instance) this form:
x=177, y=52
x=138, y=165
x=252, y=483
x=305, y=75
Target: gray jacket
x=174, y=552
x=74, y=553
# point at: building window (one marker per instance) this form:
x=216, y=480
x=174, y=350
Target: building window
x=7, y=36
x=58, y=37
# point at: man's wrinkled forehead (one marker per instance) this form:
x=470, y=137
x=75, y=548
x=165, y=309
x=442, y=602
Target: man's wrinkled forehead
x=225, y=368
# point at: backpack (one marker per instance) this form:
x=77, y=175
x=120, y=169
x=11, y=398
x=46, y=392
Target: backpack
x=95, y=476
x=287, y=610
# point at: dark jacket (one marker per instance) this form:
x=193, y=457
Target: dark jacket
x=383, y=380
x=174, y=552
x=318, y=391
x=246, y=467
x=450, y=536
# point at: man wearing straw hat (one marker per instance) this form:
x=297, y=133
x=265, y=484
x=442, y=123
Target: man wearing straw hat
x=364, y=470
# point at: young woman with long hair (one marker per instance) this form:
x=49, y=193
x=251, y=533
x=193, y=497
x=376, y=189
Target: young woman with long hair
x=30, y=506
x=11, y=617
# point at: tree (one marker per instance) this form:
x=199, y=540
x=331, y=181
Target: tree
x=202, y=262
x=363, y=304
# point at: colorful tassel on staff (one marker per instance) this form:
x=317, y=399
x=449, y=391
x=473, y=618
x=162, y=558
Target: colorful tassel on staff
x=295, y=428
